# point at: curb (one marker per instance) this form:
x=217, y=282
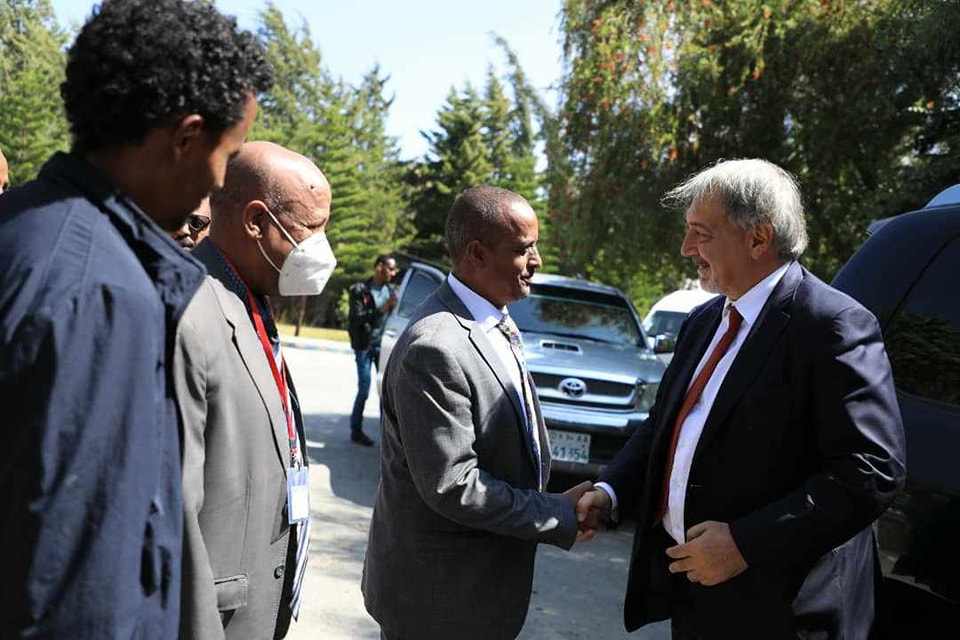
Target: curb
x=315, y=344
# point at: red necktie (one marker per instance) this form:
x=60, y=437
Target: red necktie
x=693, y=394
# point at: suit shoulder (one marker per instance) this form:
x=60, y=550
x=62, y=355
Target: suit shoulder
x=827, y=310
x=430, y=329
x=211, y=304
x=821, y=300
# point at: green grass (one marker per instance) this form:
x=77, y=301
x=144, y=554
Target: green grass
x=315, y=332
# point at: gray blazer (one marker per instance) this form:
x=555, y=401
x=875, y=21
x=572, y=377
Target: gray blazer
x=235, y=455
x=458, y=514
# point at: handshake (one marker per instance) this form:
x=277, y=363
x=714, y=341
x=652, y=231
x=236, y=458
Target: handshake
x=592, y=506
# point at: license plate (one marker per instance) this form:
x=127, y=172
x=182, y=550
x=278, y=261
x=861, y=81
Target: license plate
x=570, y=447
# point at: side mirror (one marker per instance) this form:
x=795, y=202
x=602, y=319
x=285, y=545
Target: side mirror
x=664, y=343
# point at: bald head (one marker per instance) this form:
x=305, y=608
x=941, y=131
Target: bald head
x=270, y=173
x=271, y=198
x=4, y=174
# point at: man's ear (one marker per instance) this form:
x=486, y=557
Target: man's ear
x=254, y=219
x=476, y=254
x=761, y=240
x=187, y=134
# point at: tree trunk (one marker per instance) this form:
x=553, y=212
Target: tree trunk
x=302, y=310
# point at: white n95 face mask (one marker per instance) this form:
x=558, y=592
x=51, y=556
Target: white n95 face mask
x=307, y=268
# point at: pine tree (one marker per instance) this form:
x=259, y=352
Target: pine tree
x=341, y=128
x=31, y=71
x=484, y=139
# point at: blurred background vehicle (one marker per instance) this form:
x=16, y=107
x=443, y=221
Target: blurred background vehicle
x=663, y=320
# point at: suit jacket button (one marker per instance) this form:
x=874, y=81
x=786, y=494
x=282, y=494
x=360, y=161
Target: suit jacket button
x=278, y=572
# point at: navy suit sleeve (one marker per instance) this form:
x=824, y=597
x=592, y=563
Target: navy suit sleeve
x=861, y=450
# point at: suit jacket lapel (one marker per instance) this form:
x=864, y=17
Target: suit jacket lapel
x=250, y=351
x=756, y=349
x=685, y=360
x=487, y=353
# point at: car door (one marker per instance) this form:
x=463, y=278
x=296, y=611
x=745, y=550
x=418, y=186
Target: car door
x=914, y=298
x=419, y=281
x=923, y=342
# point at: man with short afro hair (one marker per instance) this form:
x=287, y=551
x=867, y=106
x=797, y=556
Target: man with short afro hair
x=159, y=95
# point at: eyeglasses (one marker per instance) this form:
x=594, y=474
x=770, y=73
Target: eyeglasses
x=198, y=223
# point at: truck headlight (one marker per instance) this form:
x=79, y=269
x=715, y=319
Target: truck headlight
x=645, y=395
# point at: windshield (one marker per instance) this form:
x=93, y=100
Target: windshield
x=572, y=313
x=665, y=323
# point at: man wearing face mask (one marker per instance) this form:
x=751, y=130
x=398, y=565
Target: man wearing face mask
x=246, y=509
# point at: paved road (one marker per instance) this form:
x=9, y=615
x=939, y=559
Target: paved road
x=577, y=595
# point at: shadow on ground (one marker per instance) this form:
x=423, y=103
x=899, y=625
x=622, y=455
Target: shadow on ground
x=354, y=469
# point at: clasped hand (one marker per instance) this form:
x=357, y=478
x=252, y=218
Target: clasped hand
x=593, y=509
x=709, y=556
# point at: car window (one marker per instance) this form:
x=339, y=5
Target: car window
x=418, y=288
x=665, y=323
x=923, y=339
x=568, y=312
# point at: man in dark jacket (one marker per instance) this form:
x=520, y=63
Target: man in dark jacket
x=370, y=301
x=159, y=94
x=775, y=440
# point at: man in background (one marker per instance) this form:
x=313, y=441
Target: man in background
x=91, y=289
x=244, y=451
x=195, y=228
x=370, y=301
x=465, y=456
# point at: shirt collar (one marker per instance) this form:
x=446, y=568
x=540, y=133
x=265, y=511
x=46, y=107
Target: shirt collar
x=484, y=313
x=751, y=303
x=238, y=288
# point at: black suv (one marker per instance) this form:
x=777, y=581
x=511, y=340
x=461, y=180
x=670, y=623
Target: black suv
x=908, y=274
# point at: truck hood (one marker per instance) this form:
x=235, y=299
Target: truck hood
x=585, y=358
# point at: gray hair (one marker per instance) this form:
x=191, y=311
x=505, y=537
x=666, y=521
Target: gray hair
x=752, y=191
x=476, y=214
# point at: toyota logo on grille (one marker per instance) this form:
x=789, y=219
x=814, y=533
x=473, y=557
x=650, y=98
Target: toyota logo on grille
x=573, y=387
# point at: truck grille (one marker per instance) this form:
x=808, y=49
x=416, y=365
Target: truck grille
x=594, y=393
x=594, y=387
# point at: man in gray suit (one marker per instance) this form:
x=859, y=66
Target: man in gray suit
x=246, y=511
x=464, y=452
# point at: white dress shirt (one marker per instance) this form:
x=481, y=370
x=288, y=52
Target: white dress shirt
x=487, y=318
x=749, y=305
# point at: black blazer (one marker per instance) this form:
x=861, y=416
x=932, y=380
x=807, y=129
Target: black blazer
x=802, y=450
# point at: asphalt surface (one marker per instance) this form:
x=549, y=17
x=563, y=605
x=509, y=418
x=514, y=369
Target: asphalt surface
x=577, y=595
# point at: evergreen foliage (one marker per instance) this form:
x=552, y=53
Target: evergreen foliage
x=341, y=128
x=861, y=100
x=32, y=122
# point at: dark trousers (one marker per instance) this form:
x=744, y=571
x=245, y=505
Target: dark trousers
x=364, y=360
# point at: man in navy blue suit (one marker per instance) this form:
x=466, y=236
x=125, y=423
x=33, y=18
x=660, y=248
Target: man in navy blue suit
x=775, y=440
x=159, y=94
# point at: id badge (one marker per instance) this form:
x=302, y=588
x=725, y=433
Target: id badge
x=298, y=495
